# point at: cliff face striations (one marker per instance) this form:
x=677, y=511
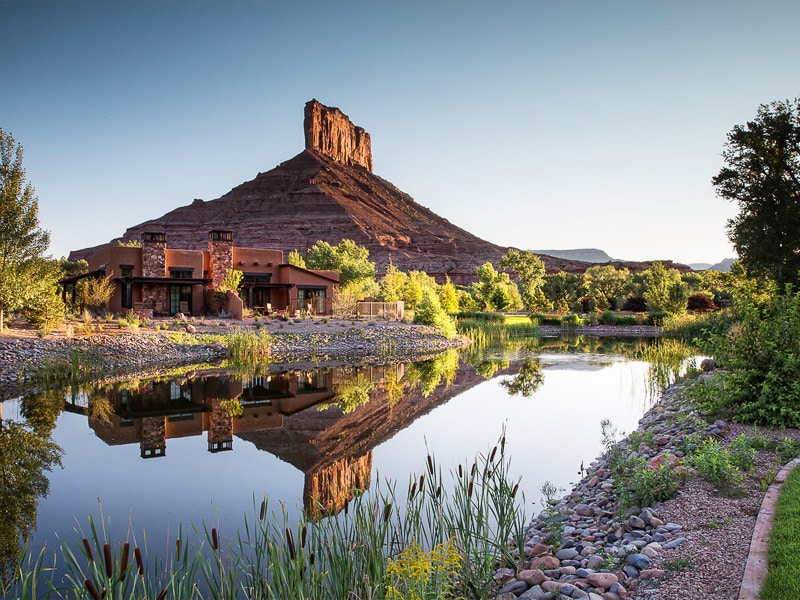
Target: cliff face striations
x=329, y=131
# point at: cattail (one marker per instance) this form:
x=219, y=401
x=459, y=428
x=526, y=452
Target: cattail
x=413, y=489
x=178, y=550
x=109, y=563
x=303, y=535
x=139, y=562
x=491, y=455
x=124, y=564
x=214, y=538
x=387, y=512
x=460, y=470
x=514, y=490
x=421, y=481
x=311, y=558
x=162, y=595
x=91, y=589
x=474, y=468
x=88, y=549
x=469, y=489
x=503, y=445
x=263, y=512
x=438, y=491
x=430, y=464
x=290, y=543
x=346, y=505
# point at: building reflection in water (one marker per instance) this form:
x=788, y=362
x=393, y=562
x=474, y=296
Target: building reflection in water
x=325, y=422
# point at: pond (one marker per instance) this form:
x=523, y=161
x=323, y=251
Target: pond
x=204, y=447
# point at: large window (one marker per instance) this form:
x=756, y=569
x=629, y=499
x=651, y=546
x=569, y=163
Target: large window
x=311, y=300
x=180, y=299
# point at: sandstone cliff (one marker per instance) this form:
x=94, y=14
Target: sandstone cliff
x=330, y=132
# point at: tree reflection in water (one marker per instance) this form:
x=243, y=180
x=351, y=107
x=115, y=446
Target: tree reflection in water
x=26, y=452
x=527, y=380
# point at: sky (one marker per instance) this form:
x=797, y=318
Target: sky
x=539, y=125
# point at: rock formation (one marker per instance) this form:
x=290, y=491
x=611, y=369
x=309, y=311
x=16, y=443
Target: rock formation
x=329, y=131
x=328, y=192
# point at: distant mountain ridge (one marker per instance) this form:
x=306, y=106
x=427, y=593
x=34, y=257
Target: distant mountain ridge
x=590, y=255
x=724, y=265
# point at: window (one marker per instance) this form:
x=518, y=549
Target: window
x=311, y=300
x=126, y=270
x=180, y=273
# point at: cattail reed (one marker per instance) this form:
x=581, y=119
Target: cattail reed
x=214, y=538
x=88, y=549
x=139, y=562
x=123, y=567
x=290, y=544
x=91, y=589
x=109, y=562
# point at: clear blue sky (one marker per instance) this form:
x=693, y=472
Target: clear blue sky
x=533, y=124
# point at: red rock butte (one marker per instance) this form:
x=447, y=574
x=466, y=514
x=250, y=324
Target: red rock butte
x=329, y=192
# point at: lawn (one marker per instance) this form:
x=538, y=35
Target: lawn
x=783, y=577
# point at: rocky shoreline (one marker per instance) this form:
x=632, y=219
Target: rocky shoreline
x=694, y=545
x=123, y=353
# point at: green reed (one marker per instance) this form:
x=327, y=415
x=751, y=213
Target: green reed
x=475, y=510
x=80, y=366
x=248, y=346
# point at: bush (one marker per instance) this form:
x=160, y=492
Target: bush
x=657, y=318
x=762, y=357
x=715, y=464
x=490, y=317
x=609, y=317
x=571, y=320
x=701, y=302
x=635, y=304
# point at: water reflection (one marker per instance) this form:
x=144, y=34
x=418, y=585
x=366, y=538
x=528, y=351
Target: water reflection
x=27, y=452
x=326, y=423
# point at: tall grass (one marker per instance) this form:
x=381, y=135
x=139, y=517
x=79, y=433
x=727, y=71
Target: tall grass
x=475, y=513
x=248, y=346
x=78, y=367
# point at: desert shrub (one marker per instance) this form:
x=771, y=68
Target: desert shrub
x=635, y=304
x=701, y=302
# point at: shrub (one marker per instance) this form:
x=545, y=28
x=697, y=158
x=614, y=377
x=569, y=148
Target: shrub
x=715, y=464
x=635, y=304
x=742, y=453
x=701, y=302
x=571, y=320
x=762, y=357
x=657, y=318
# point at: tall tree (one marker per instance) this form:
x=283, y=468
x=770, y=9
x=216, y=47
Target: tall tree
x=762, y=175
x=529, y=269
x=356, y=271
x=22, y=242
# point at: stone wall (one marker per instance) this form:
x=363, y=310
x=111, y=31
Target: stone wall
x=154, y=258
x=329, y=131
x=220, y=259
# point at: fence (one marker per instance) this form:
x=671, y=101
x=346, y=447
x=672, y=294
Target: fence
x=386, y=311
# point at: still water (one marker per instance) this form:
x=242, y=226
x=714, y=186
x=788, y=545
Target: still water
x=203, y=447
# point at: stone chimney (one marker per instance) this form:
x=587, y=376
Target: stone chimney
x=329, y=131
x=220, y=252
x=154, y=254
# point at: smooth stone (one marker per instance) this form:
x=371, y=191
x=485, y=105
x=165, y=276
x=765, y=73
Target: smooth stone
x=532, y=576
x=515, y=587
x=635, y=522
x=582, y=572
x=567, y=554
x=639, y=561
x=595, y=562
x=603, y=580
x=674, y=543
x=545, y=562
x=584, y=510
x=539, y=550
x=651, y=573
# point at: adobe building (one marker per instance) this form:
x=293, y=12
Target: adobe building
x=155, y=280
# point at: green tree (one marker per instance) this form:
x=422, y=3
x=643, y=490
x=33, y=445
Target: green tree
x=416, y=283
x=95, y=293
x=391, y=284
x=606, y=284
x=495, y=291
x=429, y=311
x=348, y=258
x=529, y=269
x=564, y=291
x=664, y=289
x=22, y=242
x=448, y=296
x=296, y=259
x=762, y=175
